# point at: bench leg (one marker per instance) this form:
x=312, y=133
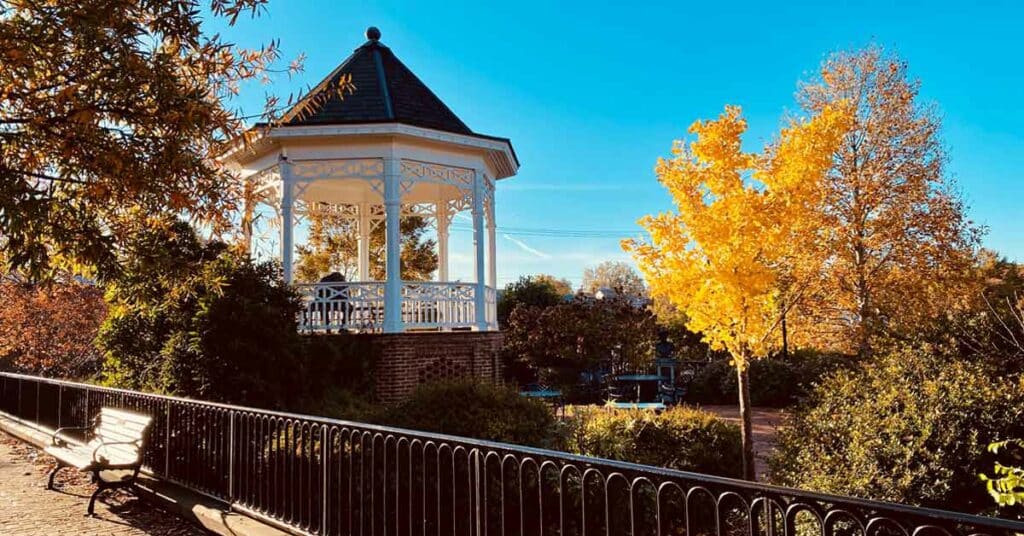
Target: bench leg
x=92, y=500
x=53, y=473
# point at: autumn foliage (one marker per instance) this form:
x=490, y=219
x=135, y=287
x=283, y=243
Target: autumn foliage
x=742, y=226
x=50, y=330
x=111, y=112
x=740, y=248
x=899, y=249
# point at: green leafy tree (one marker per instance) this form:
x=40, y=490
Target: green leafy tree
x=333, y=245
x=556, y=343
x=196, y=319
x=529, y=291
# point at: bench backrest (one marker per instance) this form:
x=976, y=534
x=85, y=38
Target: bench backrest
x=126, y=429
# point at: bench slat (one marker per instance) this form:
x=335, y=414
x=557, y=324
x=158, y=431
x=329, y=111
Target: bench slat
x=117, y=454
x=117, y=434
x=126, y=416
x=120, y=423
x=79, y=457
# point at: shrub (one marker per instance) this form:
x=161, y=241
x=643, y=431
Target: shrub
x=227, y=334
x=679, y=438
x=559, y=342
x=474, y=409
x=527, y=291
x=774, y=382
x=341, y=361
x=911, y=426
x=196, y=320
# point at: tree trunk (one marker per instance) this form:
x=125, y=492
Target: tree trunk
x=785, y=335
x=743, y=386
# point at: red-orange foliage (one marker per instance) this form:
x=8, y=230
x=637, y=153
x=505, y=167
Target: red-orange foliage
x=50, y=330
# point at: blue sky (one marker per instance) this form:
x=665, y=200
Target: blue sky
x=592, y=93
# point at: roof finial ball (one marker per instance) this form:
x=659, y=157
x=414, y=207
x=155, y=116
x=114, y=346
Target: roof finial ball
x=373, y=33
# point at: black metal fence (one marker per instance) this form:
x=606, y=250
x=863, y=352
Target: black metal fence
x=323, y=476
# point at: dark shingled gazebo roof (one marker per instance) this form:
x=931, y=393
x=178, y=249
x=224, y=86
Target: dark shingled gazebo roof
x=386, y=91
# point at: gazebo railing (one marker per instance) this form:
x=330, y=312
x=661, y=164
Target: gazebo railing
x=359, y=306
x=314, y=475
x=355, y=305
x=434, y=304
x=491, y=312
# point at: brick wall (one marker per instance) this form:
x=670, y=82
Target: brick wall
x=410, y=359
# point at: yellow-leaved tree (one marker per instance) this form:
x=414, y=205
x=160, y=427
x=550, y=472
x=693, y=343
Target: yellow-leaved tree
x=742, y=245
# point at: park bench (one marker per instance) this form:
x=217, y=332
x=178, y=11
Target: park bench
x=113, y=454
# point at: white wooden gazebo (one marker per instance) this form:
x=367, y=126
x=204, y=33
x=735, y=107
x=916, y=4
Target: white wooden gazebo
x=388, y=149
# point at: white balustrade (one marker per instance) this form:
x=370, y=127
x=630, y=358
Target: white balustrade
x=352, y=305
x=491, y=312
x=359, y=306
x=429, y=304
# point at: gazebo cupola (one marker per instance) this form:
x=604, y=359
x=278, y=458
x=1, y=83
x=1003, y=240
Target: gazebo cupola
x=387, y=149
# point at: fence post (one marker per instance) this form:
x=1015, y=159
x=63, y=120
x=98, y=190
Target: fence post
x=231, y=456
x=39, y=387
x=19, y=415
x=324, y=489
x=85, y=420
x=60, y=403
x=478, y=512
x=167, y=441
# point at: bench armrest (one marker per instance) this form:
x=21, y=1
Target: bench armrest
x=100, y=459
x=58, y=441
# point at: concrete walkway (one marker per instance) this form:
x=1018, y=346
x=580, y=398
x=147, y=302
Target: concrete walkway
x=27, y=508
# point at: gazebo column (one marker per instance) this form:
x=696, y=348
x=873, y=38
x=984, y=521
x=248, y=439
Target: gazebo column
x=393, y=245
x=287, y=217
x=364, y=241
x=441, y=215
x=492, y=249
x=478, y=241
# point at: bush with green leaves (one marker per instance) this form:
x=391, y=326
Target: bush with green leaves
x=774, y=382
x=1006, y=486
x=910, y=426
x=474, y=409
x=528, y=291
x=680, y=438
x=194, y=319
x=556, y=344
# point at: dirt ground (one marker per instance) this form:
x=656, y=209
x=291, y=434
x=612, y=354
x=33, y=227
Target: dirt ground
x=766, y=422
x=28, y=508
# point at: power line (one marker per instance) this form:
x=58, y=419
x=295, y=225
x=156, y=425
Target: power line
x=556, y=233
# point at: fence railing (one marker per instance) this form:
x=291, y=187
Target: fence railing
x=314, y=475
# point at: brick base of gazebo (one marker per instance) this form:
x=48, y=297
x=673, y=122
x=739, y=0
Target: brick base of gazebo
x=407, y=360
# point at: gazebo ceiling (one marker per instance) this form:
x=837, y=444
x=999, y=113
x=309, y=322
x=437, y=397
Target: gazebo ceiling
x=355, y=191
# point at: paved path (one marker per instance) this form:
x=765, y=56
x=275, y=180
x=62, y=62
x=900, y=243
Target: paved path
x=765, y=423
x=27, y=508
